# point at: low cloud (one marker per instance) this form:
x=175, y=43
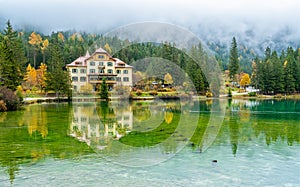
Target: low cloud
x=213, y=19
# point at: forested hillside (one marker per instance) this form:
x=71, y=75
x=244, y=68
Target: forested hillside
x=26, y=52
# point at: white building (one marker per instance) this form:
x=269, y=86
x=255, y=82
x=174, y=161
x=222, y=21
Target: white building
x=92, y=69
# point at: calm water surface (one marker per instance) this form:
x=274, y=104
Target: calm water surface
x=187, y=143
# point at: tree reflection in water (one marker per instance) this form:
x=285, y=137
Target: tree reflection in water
x=41, y=131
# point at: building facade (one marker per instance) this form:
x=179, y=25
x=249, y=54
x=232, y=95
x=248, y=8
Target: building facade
x=92, y=69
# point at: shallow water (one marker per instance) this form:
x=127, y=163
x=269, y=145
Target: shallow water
x=255, y=143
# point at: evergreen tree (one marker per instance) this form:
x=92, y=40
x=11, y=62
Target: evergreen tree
x=296, y=71
x=288, y=78
x=12, y=58
x=269, y=77
x=104, y=90
x=267, y=53
x=58, y=80
x=233, y=60
x=278, y=73
x=254, y=76
x=289, y=72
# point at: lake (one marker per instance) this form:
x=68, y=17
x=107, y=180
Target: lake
x=216, y=142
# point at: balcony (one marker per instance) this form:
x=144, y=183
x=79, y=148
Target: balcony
x=103, y=74
x=110, y=78
x=100, y=81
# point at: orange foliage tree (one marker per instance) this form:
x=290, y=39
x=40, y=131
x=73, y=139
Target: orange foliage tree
x=35, y=40
x=35, y=78
x=245, y=80
x=44, y=47
x=30, y=77
x=41, y=76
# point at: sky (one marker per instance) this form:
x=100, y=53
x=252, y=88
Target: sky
x=264, y=17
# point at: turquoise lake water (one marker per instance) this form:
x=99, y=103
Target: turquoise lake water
x=156, y=143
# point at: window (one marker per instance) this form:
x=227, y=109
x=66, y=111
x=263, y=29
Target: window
x=83, y=119
x=74, y=79
x=101, y=63
x=75, y=88
x=93, y=78
x=125, y=71
x=126, y=79
x=118, y=71
x=110, y=78
x=109, y=71
x=101, y=56
x=82, y=71
x=92, y=63
x=119, y=79
x=82, y=79
x=109, y=64
x=101, y=70
x=74, y=70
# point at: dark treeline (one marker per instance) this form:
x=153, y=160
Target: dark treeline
x=175, y=61
x=277, y=74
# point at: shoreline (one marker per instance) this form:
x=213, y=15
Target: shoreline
x=32, y=100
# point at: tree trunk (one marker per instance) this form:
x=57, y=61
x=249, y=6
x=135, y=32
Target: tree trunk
x=34, y=58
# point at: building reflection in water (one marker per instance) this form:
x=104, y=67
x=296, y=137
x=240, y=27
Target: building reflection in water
x=98, y=123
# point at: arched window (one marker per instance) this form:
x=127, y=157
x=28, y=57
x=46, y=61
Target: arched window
x=109, y=64
x=110, y=71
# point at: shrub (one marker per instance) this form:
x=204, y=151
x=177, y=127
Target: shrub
x=10, y=99
x=2, y=106
x=209, y=94
x=139, y=92
x=278, y=96
x=252, y=94
x=153, y=92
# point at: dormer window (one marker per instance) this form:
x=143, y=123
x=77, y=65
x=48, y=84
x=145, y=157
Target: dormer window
x=101, y=56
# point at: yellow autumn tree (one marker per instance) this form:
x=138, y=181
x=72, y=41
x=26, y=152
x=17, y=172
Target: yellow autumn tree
x=107, y=48
x=77, y=36
x=61, y=37
x=41, y=76
x=245, y=80
x=30, y=77
x=168, y=79
x=35, y=40
x=44, y=47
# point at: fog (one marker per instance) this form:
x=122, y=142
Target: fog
x=209, y=19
